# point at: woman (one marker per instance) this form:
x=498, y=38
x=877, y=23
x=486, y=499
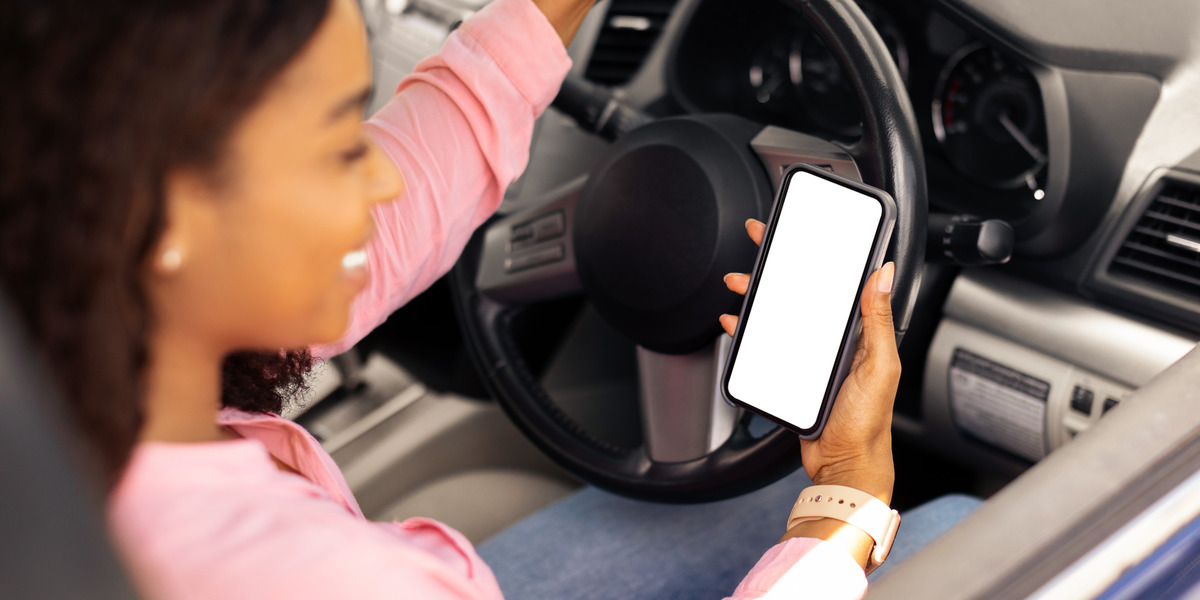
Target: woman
x=186, y=189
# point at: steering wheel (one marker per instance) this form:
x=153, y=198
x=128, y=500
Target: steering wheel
x=647, y=237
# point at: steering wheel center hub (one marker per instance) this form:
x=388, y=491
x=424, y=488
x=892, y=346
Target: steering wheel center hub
x=660, y=222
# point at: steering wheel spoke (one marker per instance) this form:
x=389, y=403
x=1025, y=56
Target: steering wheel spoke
x=529, y=255
x=779, y=148
x=684, y=416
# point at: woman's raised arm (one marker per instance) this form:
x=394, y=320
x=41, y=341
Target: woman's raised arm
x=459, y=129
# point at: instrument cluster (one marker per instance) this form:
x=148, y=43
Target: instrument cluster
x=980, y=108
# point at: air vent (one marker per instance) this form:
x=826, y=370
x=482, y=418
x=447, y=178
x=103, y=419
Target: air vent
x=1164, y=246
x=630, y=29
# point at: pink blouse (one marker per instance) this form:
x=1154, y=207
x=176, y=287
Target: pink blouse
x=220, y=520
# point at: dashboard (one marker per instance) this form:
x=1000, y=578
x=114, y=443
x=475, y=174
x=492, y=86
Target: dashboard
x=1066, y=120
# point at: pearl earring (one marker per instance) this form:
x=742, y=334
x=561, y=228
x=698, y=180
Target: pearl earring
x=171, y=260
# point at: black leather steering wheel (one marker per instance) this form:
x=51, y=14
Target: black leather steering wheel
x=647, y=237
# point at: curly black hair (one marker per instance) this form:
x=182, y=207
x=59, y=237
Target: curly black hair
x=102, y=98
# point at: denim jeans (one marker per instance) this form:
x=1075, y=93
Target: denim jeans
x=595, y=545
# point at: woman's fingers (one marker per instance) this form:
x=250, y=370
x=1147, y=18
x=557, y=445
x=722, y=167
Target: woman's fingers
x=729, y=323
x=737, y=282
x=756, y=229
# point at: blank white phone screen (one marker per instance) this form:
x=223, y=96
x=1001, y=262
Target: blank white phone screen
x=807, y=292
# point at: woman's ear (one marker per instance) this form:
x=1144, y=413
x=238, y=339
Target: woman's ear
x=189, y=212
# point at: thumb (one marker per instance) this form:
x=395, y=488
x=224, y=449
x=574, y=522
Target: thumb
x=879, y=332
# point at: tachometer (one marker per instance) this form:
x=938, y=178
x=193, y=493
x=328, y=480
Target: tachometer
x=774, y=68
x=987, y=115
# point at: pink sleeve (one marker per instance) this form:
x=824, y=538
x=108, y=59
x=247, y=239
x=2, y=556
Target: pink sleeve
x=219, y=520
x=459, y=129
x=316, y=551
x=803, y=568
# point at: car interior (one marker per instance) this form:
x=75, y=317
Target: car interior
x=1045, y=157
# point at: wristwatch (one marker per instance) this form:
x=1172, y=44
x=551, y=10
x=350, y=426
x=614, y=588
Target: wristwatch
x=852, y=506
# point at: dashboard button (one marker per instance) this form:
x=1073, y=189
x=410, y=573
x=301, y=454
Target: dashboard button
x=549, y=226
x=1081, y=400
x=531, y=233
x=536, y=258
x=522, y=232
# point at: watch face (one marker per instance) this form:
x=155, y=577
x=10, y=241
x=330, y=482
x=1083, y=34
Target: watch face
x=883, y=547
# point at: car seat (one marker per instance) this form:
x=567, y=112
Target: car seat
x=55, y=543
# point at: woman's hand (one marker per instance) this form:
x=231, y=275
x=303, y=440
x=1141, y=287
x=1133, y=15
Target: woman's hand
x=855, y=449
x=565, y=15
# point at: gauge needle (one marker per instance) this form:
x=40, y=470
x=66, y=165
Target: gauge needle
x=1014, y=131
x=772, y=84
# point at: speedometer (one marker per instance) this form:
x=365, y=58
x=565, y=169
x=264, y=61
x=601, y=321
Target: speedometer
x=987, y=116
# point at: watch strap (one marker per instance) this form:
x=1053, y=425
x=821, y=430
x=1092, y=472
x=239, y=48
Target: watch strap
x=855, y=507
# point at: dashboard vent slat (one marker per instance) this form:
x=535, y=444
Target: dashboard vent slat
x=1185, y=223
x=630, y=30
x=1160, y=250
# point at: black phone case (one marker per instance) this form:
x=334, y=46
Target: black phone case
x=841, y=367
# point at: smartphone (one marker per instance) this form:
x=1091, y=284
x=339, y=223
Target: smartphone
x=800, y=320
